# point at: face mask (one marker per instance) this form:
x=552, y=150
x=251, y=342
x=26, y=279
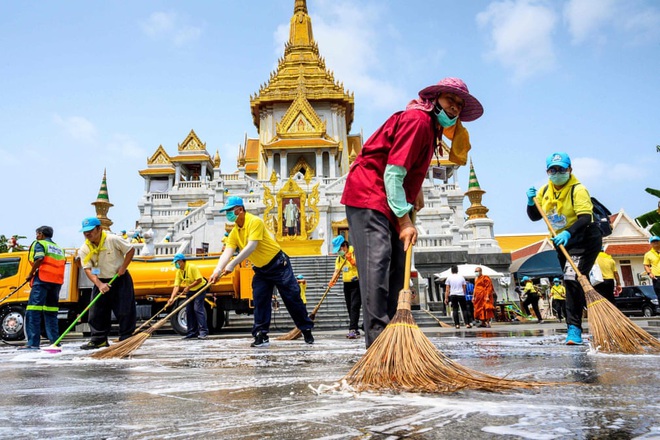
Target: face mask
x=559, y=178
x=231, y=216
x=177, y=265
x=341, y=253
x=477, y=274
x=442, y=117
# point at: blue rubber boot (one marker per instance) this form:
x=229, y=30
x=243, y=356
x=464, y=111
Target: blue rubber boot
x=574, y=335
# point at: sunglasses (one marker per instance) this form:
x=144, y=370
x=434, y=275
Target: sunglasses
x=554, y=170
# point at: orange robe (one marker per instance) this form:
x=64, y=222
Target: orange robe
x=484, y=309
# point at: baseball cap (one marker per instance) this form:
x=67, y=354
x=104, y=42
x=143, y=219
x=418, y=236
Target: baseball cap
x=178, y=257
x=90, y=223
x=525, y=279
x=337, y=242
x=558, y=160
x=300, y=277
x=654, y=238
x=231, y=203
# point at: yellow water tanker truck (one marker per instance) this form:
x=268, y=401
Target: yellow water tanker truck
x=153, y=279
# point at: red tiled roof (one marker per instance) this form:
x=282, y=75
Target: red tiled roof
x=627, y=249
x=526, y=251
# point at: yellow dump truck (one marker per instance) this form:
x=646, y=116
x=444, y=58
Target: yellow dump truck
x=153, y=279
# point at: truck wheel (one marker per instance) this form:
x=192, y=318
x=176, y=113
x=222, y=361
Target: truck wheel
x=179, y=321
x=215, y=318
x=12, y=323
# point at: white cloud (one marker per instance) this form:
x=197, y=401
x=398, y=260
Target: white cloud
x=586, y=17
x=126, y=147
x=168, y=26
x=595, y=20
x=348, y=36
x=596, y=173
x=520, y=33
x=78, y=128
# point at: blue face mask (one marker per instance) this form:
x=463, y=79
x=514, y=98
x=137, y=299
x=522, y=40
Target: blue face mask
x=177, y=265
x=443, y=119
x=559, y=179
x=231, y=216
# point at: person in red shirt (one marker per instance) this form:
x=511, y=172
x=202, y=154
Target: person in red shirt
x=384, y=185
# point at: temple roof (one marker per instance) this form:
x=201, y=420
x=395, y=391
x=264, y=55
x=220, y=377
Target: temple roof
x=301, y=64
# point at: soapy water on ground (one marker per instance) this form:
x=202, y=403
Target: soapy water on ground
x=222, y=388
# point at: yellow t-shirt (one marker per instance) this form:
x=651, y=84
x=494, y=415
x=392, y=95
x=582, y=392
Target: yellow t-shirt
x=187, y=276
x=349, y=271
x=563, y=208
x=558, y=292
x=652, y=258
x=529, y=288
x=607, y=265
x=254, y=229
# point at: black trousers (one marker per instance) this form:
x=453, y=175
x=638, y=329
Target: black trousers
x=381, y=266
x=532, y=300
x=120, y=299
x=584, y=251
x=353, y=303
x=606, y=289
x=456, y=301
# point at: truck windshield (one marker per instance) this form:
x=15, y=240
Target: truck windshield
x=8, y=267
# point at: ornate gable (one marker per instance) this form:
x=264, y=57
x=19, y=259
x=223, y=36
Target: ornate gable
x=192, y=143
x=300, y=120
x=160, y=157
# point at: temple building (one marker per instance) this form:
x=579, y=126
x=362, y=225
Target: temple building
x=292, y=175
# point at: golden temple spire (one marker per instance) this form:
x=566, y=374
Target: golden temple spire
x=474, y=193
x=102, y=204
x=300, y=33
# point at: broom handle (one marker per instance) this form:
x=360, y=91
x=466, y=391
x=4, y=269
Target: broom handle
x=406, y=277
x=160, y=323
x=554, y=234
x=17, y=289
x=89, y=306
x=318, y=306
x=158, y=313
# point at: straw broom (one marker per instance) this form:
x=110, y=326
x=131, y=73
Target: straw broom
x=611, y=330
x=156, y=315
x=126, y=347
x=440, y=323
x=296, y=333
x=402, y=358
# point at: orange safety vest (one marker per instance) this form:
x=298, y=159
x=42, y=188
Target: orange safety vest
x=53, y=264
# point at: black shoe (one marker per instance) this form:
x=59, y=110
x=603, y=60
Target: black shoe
x=190, y=337
x=309, y=339
x=91, y=345
x=261, y=340
x=202, y=337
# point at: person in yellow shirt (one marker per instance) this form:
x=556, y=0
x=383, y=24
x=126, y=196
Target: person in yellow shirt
x=302, y=282
x=652, y=263
x=611, y=284
x=191, y=280
x=567, y=204
x=346, y=264
x=558, y=295
x=272, y=268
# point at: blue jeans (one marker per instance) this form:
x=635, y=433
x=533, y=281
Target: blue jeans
x=277, y=272
x=44, y=298
x=196, y=316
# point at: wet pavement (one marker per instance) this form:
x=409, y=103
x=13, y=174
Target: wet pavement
x=221, y=388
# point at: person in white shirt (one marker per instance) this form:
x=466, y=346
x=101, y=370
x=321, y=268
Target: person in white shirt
x=455, y=288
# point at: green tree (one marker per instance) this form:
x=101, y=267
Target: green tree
x=651, y=219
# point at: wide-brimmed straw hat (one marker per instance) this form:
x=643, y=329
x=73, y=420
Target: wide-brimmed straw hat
x=471, y=110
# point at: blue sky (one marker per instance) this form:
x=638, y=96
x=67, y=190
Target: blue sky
x=87, y=86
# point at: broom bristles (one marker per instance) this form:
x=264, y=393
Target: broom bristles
x=123, y=348
x=611, y=330
x=402, y=358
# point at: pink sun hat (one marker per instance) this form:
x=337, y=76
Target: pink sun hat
x=471, y=110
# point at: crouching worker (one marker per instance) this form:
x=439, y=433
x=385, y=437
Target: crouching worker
x=46, y=278
x=191, y=280
x=271, y=268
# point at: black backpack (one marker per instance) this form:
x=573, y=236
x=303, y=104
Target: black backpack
x=600, y=213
